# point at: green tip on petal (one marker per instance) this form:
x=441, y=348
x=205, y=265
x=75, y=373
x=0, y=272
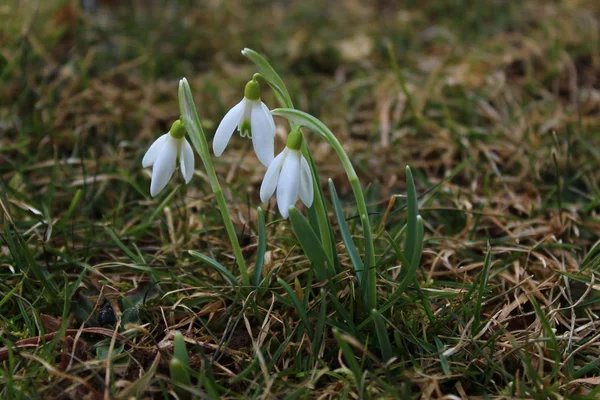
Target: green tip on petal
x=294, y=140
x=252, y=90
x=246, y=129
x=177, y=130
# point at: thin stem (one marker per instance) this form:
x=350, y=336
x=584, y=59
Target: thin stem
x=192, y=124
x=270, y=76
x=315, y=125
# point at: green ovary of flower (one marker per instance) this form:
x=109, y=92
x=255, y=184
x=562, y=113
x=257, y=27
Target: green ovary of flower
x=177, y=130
x=252, y=90
x=294, y=140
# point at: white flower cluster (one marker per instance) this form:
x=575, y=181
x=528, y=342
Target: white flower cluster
x=288, y=175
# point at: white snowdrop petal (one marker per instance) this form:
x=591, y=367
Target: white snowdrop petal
x=269, y=183
x=269, y=116
x=186, y=161
x=164, y=166
x=152, y=153
x=306, y=183
x=263, y=139
x=226, y=127
x=288, y=183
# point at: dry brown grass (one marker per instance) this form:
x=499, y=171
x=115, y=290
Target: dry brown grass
x=505, y=95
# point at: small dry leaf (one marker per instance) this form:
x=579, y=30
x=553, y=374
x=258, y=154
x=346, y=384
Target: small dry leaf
x=51, y=324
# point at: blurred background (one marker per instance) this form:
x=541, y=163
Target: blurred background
x=502, y=95
x=495, y=105
x=428, y=84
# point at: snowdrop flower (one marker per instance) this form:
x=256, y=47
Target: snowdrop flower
x=162, y=156
x=289, y=173
x=253, y=120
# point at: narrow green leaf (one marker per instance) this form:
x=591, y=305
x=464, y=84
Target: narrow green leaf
x=179, y=374
x=179, y=349
x=74, y=202
x=396, y=248
x=10, y=294
x=325, y=229
x=585, y=369
x=411, y=270
x=443, y=360
x=163, y=204
x=320, y=327
x=298, y=305
x=552, y=341
x=103, y=347
x=139, y=386
x=310, y=244
x=412, y=213
x=355, y=259
x=25, y=262
x=350, y=359
x=416, y=257
x=122, y=246
x=217, y=266
x=400, y=76
x=370, y=291
x=592, y=257
x=191, y=120
x=261, y=248
x=346, y=321
x=382, y=335
x=179, y=367
x=483, y=281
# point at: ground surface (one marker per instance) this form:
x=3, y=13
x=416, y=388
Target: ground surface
x=498, y=102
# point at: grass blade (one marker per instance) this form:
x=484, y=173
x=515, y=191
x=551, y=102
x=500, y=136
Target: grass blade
x=411, y=271
x=320, y=327
x=139, y=386
x=217, y=266
x=310, y=244
x=325, y=229
x=443, y=360
x=24, y=261
x=298, y=305
x=261, y=247
x=179, y=367
x=483, y=281
x=412, y=213
x=163, y=204
x=122, y=246
x=355, y=259
x=382, y=335
x=350, y=359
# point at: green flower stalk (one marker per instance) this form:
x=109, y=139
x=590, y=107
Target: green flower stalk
x=192, y=124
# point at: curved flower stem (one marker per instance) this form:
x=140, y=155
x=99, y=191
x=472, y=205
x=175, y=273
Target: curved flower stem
x=298, y=118
x=192, y=124
x=270, y=76
x=315, y=125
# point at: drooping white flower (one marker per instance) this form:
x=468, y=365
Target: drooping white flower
x=163, y=155
x=289, y=173
x=253, y=120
